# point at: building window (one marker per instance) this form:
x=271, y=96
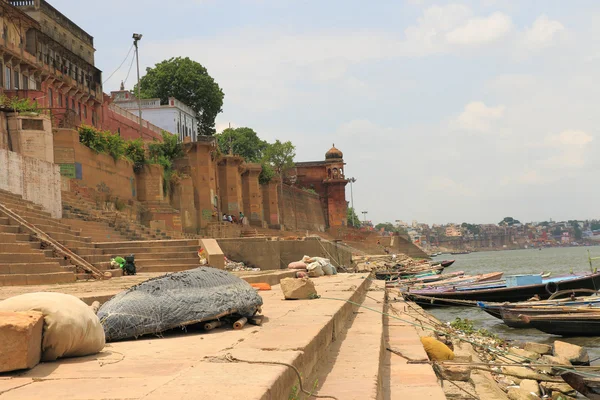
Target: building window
x=79, y=108
x=50, y=99
x=85, y=112
x=25, y=82
x=73, y=104
x=7, y=75
x=16, y=82
x=60, y=100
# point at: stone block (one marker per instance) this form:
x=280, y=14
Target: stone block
x=530, y=386
x=539, y=348
x=526, y=354
x=297, y=289
x=577, y=355
x=456, y=372
x=20, y=340
x=553, y=360
x=515, y=393
x=564, y=388
x=561, y=396
x=214, y=254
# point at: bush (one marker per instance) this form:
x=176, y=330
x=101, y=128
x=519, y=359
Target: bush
x=135, y=152
x=266, y=174
x=20, y=105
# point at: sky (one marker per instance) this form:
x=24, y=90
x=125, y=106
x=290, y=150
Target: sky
x=446, y=111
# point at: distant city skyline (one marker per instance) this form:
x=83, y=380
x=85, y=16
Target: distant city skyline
x=471, y=111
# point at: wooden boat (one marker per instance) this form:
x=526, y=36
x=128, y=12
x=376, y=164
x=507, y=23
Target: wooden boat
x=460, y=252
x=465, y=280
x=501, y=293
x=494, y=309
x=447, y=263
x=512, y=317
x=589, y=387
x=403, y=274
x=571, y=324
x=428, y=279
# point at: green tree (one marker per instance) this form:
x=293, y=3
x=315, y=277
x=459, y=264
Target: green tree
x=353, y=218
x=474, y=229
x=595, y=225
x=576, y=229
x=510, y=221
x=387, y=226
x=189, y=82
x=243, y=142
x=280, y=157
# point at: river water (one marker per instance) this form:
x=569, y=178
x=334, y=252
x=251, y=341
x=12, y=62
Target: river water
x=512, y=262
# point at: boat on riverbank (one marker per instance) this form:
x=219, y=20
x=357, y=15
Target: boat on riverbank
x=501, y=291
x=571, y=324
x=513, y=317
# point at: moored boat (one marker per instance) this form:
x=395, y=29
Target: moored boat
x=571, y=324
x=501, y=292
x=587, y=386
x=513, y=317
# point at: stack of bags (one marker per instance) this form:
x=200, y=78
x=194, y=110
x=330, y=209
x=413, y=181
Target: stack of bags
x=312, y=267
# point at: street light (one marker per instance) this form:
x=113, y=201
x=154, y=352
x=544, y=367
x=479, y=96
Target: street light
x=352, y=180
x=136, y=38
x=364, y=213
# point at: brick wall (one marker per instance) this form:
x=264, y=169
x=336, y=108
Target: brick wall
x=302, y=210
x=118, y=120
x=33, y=179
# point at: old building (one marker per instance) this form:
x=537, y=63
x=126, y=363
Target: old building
x=328, y=180
x=175, y=116
x=49, y=59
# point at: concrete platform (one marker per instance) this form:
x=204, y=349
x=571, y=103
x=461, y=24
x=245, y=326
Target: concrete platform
x=189, y=365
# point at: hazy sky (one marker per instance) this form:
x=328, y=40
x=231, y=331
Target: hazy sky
x=445, y=111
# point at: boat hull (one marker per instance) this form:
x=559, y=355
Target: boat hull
x=573, y=326
x=500, y=295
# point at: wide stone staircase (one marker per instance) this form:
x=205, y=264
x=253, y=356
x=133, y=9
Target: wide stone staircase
x=22, y=259
x=151, y=256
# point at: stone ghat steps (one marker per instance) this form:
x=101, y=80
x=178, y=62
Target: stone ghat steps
x=351, y=368
x=97, y=231
x=150, y=256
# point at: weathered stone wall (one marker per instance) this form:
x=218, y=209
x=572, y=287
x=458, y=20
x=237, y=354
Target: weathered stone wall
x=270, y=200
x=33, y=179
x=302, y=210
x=150, y=183
x=3, y=132
x=31, y=136
x=268, y=254
x=107, y=176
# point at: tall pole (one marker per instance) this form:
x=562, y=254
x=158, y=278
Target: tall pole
x=352, y=180
x=136, y=38
x=364, y=213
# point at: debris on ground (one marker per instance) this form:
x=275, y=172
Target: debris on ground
x=372, y=263
x=313, y=267
x=174, y=300
x=233, y=266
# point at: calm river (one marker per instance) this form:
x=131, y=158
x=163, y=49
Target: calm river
x=511, y=262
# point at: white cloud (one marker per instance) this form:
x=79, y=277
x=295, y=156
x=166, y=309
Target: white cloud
x=479, y=117
x=542, y=33
x=569, y=138
x=481, y=30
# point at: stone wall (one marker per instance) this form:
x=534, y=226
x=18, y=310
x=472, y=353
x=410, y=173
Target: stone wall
x=268, y=254
x=31, y=136
x=33, y=179
x=3, y=132
x=303, y=210
x=101, y=172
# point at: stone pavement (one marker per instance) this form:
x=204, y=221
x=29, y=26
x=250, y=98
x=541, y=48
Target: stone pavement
x=190, y=364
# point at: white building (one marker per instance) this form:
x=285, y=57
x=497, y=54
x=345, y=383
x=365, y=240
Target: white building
x=174, y=117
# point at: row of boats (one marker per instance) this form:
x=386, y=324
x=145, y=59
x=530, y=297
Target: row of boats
x=565, y=304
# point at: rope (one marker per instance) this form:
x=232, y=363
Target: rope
x=439, y=373
x=230, y=358
x=503, y=353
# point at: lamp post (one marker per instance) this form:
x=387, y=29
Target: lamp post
x=293, y=180
x=364, y=213
x=136, y=38
x=352, y=180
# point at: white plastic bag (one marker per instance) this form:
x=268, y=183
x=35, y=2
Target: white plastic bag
x=315, y=269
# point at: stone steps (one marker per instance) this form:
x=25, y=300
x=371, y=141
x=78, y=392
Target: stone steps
x=26, y=257
x=36, y=279
x=148, y=243
x=30, y=268
x=351, y=368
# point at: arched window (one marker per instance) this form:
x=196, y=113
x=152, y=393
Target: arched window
x=329, y=173
x=335, y=173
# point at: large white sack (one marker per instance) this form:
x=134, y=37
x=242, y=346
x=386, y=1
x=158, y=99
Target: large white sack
x=71, y=328
x=315, y=269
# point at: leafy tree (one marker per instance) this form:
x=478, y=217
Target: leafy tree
x=595, y=225
x=474, y=229
x=557, y=231
x=353, y=218
x=165, y=152
x=244, y=142
x=189, y=82
x=576, y=229
x=280, y=157
x=387, y=226
x=510, y=221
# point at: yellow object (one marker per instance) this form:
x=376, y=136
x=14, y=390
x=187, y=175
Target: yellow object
x=436, y=350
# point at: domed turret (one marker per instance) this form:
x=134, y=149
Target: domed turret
x=334, y=153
